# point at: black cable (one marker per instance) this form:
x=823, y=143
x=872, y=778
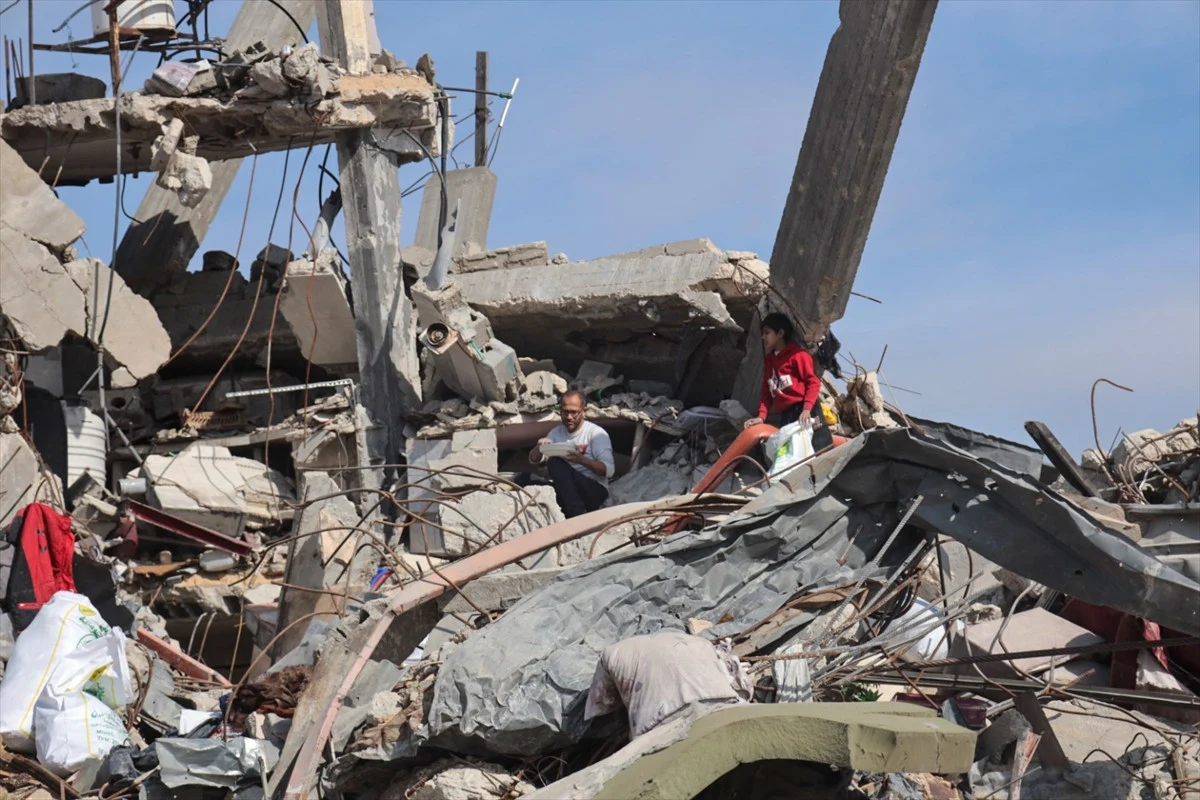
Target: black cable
x=124, y=179
x=287, y=14
x=9, y=7
x=414, y=188
x=495, y=146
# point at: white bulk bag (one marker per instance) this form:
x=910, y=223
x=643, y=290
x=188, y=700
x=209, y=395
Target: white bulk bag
x=64, y=625
x=73, y=729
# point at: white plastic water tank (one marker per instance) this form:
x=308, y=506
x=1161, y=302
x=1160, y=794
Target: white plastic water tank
x=87, y=446
x=136, y=15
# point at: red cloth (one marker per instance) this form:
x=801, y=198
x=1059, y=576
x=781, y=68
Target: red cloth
x=49, y=549
x=788, y=379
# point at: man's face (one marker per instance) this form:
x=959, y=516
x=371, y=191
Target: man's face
x=572, y=413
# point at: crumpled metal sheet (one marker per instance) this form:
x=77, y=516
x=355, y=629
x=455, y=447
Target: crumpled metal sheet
x=518, y=686
x=212, y=762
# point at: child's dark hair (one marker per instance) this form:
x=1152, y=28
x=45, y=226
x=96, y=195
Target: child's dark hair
x=780, y=324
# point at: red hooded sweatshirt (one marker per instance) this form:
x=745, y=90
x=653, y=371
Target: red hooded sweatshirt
x=788, y=379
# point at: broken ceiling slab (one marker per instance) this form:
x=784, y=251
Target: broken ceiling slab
x=622, y=309
x=37, y=294
x=211, y=487
x=79, y=137
x=30, y=207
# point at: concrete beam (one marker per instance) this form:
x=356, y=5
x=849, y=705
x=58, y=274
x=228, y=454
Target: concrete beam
x=852, y=129
x=76, y=141
x=389, y=371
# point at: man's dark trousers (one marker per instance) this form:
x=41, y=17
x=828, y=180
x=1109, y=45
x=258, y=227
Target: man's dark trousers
x=576, y=493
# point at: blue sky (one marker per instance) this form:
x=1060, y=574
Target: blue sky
x=1039, y=228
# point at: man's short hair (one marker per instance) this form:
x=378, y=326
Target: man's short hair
x=573, y=393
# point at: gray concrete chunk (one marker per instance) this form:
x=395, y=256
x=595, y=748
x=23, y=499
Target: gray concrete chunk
x=36, y=294
x=29, y=205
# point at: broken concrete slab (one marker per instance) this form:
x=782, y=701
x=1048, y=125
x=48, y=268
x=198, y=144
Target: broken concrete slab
x=633, y=311
x=315, y=305
x=1036, y=629
x=466, y=458
x=30, y=207
x=37, y=294
x=325, y=553
x=85, y=130
x=134, y=337
x=681, y=758
x=208, y=485
x=1136, y=451
x=475, y=188
x=500, y=590
x=682, y=248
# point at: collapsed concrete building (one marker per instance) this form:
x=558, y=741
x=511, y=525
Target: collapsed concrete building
x=301, y=485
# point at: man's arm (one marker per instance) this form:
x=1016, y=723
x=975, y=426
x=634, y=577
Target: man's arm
x=601, y=461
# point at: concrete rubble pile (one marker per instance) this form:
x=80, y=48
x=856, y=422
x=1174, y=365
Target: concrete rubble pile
x=260, y=605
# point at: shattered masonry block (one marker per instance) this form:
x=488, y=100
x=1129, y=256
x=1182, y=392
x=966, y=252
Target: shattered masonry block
x=314, y=303
x=482, y=519
x=474, y=452
x=590, y=371
x=134, y=335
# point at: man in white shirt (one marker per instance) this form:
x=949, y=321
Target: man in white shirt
x=580, y=478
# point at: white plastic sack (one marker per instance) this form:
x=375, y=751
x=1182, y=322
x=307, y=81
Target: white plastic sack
x=99, y=668
x=73, y=729
x=789, y=446
x=64, y=625
x=925, y=621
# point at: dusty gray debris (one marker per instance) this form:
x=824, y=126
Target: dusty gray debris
x=790, y=538
x=269, y=75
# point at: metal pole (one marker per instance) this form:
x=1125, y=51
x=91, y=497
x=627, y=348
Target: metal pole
x=481, y=123
x=32, y=87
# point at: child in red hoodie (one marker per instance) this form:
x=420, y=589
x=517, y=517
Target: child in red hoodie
x=790, y=385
